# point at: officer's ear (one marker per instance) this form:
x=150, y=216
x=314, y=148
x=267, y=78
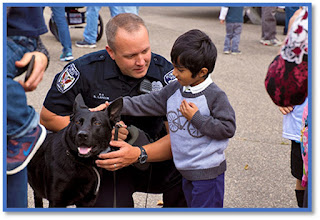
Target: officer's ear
x=110, y=52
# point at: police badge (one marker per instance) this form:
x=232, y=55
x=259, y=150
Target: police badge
x=68, y=77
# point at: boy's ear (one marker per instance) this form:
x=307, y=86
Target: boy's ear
x=203, y=72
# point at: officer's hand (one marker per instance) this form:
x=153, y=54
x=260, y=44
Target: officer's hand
x=122, y=132
x=40, y=65
x=100, y=107
x=125, y=156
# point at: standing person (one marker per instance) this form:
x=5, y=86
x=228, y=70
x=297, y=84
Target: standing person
x=287, y=79
x=289, y=11
x=119, y=70
x=269, y=27
x=115, y=10
x=63, y=31
x=233, y=17
x=91, y=29
x=24, y=133
x=292, y=123
x=201, y=119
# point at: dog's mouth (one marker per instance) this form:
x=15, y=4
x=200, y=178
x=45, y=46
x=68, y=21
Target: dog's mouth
x=84, y=151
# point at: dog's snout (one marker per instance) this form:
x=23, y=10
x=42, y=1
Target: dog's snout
x=82, y=135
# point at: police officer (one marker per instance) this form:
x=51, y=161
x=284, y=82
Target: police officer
x=126, y=67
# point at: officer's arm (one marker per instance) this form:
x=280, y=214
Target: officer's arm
x=52, y=121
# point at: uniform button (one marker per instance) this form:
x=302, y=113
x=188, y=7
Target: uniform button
x=155, y=59
x=101, y=56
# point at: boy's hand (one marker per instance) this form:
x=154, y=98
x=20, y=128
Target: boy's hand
x=286, y=110
x=101, y=107
x=188, y=109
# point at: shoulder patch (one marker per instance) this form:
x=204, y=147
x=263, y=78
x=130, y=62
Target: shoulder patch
x=169, y=77
x=67, y=78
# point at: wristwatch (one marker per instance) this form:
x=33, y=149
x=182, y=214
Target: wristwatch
x=143, y=156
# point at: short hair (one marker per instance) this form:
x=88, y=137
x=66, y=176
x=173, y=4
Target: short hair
x=194, y=50
x=128, y=21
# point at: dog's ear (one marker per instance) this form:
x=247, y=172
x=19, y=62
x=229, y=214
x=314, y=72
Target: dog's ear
x=79, y=103
x=114, y=110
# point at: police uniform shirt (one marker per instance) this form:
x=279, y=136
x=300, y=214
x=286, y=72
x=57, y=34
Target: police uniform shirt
x=97, y=77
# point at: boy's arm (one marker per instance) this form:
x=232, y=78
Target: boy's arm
x=152, y=104
x=221, y=123
x=223, y=13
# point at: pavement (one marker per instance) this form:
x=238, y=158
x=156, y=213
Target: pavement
x=258, y=158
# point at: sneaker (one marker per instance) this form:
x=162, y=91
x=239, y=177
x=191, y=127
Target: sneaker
x=227, y=52
x=84, y=43
x=236, y=52
x=273, y=42
x=21, y=150
x=66, y=57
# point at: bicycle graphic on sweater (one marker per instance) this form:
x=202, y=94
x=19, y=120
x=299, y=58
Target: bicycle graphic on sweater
x=175, y=124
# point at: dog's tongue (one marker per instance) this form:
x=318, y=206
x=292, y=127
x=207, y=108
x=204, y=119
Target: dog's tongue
x=84, y=150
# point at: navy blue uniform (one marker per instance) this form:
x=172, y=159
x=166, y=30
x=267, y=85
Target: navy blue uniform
x=97, y=77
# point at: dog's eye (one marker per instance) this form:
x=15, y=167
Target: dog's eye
x=97, y=123
x=78, y=122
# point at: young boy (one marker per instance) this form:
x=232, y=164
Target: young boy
x=200, y=118
x=234, y=19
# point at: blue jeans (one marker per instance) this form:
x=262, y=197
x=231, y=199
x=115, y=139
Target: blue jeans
x=232, y=39
x=204, y=193
x=115, y=10
x=63, y=28
x=289, y=11
x=20, y=117
x=91, y=30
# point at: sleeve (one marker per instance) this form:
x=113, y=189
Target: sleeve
x=223, y=13
x=152, y=104
x=65, y=87
x=221, y=123
x=41, y=48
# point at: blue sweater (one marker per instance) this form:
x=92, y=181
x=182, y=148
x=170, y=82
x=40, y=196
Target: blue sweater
x=25, y=21
x=235, y=15
x=197, y=146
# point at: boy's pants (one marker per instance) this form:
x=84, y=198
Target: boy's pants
x=204, y=193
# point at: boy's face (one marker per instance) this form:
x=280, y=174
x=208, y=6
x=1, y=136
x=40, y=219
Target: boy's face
x=184, y=76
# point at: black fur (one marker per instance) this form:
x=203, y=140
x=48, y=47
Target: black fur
x=62, y=173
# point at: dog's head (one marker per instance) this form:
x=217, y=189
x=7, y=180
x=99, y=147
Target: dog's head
x=91, y=131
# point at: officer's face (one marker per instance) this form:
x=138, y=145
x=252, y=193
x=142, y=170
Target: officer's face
x=132, y=52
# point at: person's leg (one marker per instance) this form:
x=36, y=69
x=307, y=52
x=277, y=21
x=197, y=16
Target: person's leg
x=21, y=119
x=208, y=193
x=17, y=190
x=269, y=23
x=63, y=28
x=227, y=41
x=115, y=10
x=237, y=29
x=122, y=186
x=297, y=171
x=91, y=29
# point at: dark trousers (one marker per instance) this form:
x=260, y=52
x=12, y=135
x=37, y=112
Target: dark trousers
x=204, y=193
x=160, y=177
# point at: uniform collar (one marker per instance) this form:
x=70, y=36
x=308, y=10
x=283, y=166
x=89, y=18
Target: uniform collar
x=198, y=88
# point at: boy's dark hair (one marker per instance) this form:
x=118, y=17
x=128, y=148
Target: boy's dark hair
x=194, y=50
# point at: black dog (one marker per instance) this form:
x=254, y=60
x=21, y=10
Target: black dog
x=63, y=171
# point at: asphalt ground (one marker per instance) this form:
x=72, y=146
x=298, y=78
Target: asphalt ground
x=258, y=158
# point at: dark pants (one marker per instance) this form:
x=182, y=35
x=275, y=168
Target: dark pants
x=160, y=177
x=204, y=193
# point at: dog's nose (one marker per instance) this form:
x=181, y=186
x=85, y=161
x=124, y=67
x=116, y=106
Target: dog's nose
x=83, y=135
